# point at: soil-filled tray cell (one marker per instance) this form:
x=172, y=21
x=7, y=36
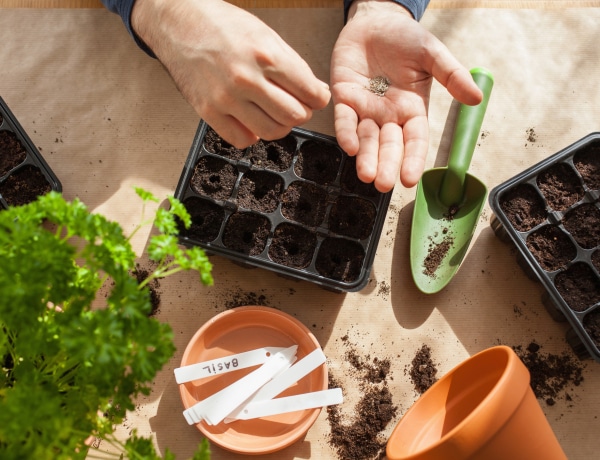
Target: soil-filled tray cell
x=24, y=174
x=591, y=323
x=305, y=203
x=293, y=205
x=551, y=247
x=551, y=212
x=246, y=232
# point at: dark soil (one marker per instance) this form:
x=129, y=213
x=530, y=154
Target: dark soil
x=292, y=246
x=552, y=375
x=260, y=191
x=436, y=253
x=24, y=186
x=141, y=274
x=215, y=144
x=551, y=247
x=358, y=435
x=596, y=259
x=352, y=216
x=561, y=186
x=12, y=153
x=318, y=162
x=578, y=286
x=524, y=207
x=207, y=218
x=214, y=177
x=305, y=203
x=246, y=232
x=583, y=223
x=423, y=371
x=274, y=155
x=340, y=259
x=587, y=162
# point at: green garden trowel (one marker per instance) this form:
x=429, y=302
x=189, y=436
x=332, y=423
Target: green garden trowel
x=449, y=201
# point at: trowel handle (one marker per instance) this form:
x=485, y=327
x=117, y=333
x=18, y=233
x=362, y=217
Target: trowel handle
x=466, y=133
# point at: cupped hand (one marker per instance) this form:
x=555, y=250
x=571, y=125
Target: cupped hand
x=381, y=74
x=238, y=74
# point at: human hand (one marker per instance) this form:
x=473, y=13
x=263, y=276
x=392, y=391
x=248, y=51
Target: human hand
x=383, y=121
x=238, y=74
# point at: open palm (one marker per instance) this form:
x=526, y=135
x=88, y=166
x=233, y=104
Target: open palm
x=388, y=130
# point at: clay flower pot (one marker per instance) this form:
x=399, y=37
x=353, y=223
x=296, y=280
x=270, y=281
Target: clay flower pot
x=483, y=409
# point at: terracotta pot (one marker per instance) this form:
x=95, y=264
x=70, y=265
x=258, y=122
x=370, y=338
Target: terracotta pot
x=483, y=409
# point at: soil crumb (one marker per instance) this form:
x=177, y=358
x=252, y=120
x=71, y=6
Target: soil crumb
x=241, y=298
x=358, y=435
x=141, y=274
x=423, y=371
x=531, y=135
x=379, y=85
x=552, y=375
x=436, y=254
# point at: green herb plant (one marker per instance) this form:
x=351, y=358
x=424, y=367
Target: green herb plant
x=77, y=343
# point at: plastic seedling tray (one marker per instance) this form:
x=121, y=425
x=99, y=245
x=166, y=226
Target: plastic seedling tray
x=551, y=212
x=294, y=206
x=24, y=174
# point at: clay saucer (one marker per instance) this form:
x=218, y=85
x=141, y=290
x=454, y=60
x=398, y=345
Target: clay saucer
x=235, y=331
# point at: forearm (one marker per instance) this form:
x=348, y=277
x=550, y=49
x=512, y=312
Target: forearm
x=415, y=7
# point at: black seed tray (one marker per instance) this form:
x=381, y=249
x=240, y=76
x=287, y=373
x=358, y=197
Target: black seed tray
x=24, y=174
x=551, y=212
x=294, y=206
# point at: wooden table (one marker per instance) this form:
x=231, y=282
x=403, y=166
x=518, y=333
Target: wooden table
x=106, y=117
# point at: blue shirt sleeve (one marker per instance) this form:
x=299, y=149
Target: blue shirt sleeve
x=123, y=8
x=416, y=7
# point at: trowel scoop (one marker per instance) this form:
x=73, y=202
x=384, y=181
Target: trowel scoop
x=449, y=201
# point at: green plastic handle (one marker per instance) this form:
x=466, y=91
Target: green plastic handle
x=466, y=133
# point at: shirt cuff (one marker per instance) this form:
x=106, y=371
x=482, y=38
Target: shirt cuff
x=415, y=7
x=123, y=8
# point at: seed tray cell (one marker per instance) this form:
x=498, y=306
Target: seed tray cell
x=24, y=174
x=294, y=206
x=551, y=212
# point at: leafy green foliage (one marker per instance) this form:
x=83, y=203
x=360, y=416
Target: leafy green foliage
x=70, y=370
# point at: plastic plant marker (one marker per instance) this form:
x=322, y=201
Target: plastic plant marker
x=225, y=364
x=282, y=381
x=216, y=407
x=266, y=408
x=449, y=201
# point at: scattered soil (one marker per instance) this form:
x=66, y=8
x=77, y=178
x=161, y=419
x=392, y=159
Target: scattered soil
x=246, y=232
x=340, y=259
x=352, y=216
x=214, y=177
x=435, y=255
x=531, y=135
x=524, y=207
x=552, y=375
x=24, y=186
x=587, y=162
x=141, y=274
x=207, y=218
x=305, y=203
x=358, y=435
x=260, y=190
x=215, y=144
x=292, y=246
x=561, y=186
x=423, y=371
x=274, y=155
x=379, y=85
x=551, y=247
x=12, y=153
x=318, y=162
x=578, y=286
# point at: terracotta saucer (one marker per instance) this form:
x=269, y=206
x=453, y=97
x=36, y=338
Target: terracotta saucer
x=242, y=329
